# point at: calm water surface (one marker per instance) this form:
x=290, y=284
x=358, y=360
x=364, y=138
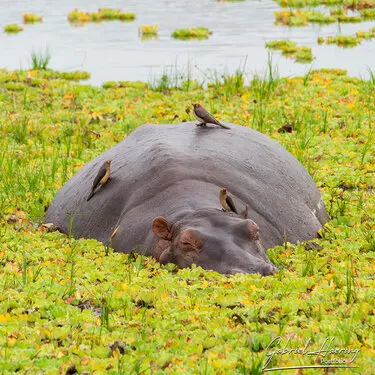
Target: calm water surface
x=114, y=51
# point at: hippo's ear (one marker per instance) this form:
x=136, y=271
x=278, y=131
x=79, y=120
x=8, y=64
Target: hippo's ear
x=162, y=228
x=252, y=230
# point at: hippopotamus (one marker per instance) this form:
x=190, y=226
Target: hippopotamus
x=162, y=198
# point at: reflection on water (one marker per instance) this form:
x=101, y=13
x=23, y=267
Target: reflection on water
x=115, y=51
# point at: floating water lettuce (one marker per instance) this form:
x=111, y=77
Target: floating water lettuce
x=348, y=40
x=103, y=14
x=349, y=19
x=291, y=50
x=368, y=14
x=340, y=40
x=304, y=17
x=307, y=3
x=12, y=29
x=348, y=4
x=338, y=12
x=192, y=33
x=31, y=18
x=146, y=31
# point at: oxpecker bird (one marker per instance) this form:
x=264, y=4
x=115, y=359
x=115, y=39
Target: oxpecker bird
x=101, y=178
x=204, y=117
x=226, y=201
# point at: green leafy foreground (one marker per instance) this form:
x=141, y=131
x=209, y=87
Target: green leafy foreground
x=71, y=305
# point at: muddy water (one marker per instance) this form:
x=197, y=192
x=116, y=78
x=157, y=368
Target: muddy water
x=114, y=51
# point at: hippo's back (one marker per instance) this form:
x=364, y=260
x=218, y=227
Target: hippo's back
x=281, y=195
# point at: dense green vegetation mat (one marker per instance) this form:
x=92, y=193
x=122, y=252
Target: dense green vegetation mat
x=71, y=305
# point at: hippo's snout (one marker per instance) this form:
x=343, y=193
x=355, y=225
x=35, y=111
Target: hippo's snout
x=271, y=270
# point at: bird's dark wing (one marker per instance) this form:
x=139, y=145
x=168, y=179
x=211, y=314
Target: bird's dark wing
x=231, y=204
x=91, y=194
x=206, y=117
x=99, y=176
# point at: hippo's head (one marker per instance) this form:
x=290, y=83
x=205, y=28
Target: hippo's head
x=214, y=240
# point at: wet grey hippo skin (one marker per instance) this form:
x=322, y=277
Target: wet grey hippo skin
x=163, y=195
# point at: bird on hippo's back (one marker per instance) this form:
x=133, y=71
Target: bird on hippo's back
x=101, y=178
x=226, y=201
x=205, y=117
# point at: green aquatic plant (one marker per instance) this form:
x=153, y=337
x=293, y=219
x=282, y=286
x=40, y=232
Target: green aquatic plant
x=281, y=44
x=69, y=76
x=367, y=35
x=79, y=16
x=192, y=33
x=368, y=14
x=359, y=4
x=347, y=4
x=307, y=3
x=295, y=3
x=40, y=59
x=234, y=84
x=148, y=31
x=115, y=14
x=291, y=50
x=103, y=14
x=31, y=18
x=125, y=84
x=349, y=19
x=349, y=40
x=291, y=18
x=304, y=17
x=304, y=55
x=164, y=83
x=12, y=29
x=38, y=77
x=228, y=84
x=340, y=40
x=338, y=12
x=319, y=17
x=173, y=78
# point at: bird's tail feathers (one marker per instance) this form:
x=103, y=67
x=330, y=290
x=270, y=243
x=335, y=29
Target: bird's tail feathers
x=91, y=195
x=223, y=126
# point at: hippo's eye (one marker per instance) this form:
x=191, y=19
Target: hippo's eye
x=186, y=243
x=189, y=239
